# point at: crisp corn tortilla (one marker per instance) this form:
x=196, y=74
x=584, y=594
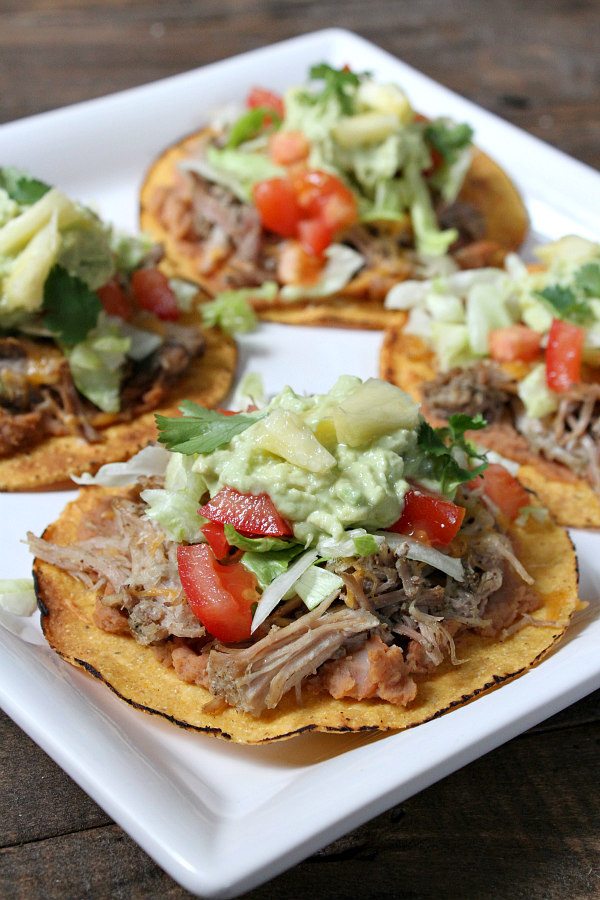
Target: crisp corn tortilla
x=134, y=674
x=407, y=361
x=51, y=462
x=486, y=186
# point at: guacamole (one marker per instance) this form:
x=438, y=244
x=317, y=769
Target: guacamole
x=319, y=484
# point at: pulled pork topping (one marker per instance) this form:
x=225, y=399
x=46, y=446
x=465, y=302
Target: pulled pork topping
x=393, y=617
x=570, y=436
x=38, y=397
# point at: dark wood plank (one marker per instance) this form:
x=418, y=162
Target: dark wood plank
x=523, y=821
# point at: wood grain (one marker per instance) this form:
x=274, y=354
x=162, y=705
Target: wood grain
x=523, y=821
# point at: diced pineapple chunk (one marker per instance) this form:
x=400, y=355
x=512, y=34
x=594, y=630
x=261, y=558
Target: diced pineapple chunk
x=325, y=433
x=16, y=233
x=375, y=408
x=285, y=434
x=366, y=128
x=23, y=289
x=385, y=98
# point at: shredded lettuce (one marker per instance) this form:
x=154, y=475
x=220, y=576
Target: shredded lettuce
x=185, y=293
x=317, y=584
x=342, y=264
x=255, y=545
x=428, y=237
x=356, y=542
x=176, y=512
x=231, y=310
x=17, y=596
x=267, y=566
x=130, y=251
x=149, y=462
x=276, y=590
x=97, y=364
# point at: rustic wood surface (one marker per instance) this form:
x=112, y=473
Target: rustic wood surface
x=523, y=821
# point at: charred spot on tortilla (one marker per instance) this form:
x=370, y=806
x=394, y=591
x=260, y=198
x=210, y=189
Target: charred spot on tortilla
x=136, y=673
x=187, y=213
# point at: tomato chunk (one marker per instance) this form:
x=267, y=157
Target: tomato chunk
x=259, y=96
x=503, y=489
x=516, y=342
x=288, y=147
x=315, y=236
x=563, y=355
x=323, y=196
x=277, y=206
x=220, y=596
x=114, y=300
x=250, y=514
x=439, y=519
x=152, y=292
x=296, y=266
x=214, y=533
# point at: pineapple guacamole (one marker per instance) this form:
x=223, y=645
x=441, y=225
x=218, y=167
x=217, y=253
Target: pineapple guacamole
x=328, y=461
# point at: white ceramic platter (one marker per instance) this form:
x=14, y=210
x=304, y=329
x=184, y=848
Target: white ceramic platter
x=222, y=818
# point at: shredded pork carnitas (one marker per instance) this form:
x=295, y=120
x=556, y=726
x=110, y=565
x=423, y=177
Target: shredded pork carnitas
x=394, y=617
x=570, y=436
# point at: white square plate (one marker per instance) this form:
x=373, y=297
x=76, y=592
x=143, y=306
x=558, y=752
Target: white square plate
x=222, y=818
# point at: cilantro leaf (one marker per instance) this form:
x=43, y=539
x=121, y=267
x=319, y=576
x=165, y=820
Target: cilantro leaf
x=201, y=430
x=258, y=545
x=20, y=187
x=445, y=453
x=587, y=279
x=448, y=138
x=339, y=83
x=251, y=124
x=71, y=309
x=565, y=304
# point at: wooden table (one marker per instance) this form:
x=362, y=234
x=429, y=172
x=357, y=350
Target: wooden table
x=522, y=821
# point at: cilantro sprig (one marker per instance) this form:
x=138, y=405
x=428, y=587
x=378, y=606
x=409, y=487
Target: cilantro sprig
x=571, y=302
x=201, y=430
x=70, y=308
x=445, y=453
x=338, y=83
x=448, y=138
x=251, y=124
x=21, y=187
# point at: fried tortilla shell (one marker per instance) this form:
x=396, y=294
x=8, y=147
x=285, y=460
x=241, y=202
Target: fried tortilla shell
x=134, y=673
x=487, y=187
x=408, y=362
x=51, y=462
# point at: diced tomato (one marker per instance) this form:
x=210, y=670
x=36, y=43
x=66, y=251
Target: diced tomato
x=221, y=596
x=315, y=235
x=250, y=514
x=440, y=519
x=516, y=342
x=436, y=161
x=277, y=206
x=563, y=355
x=114, y=300
x=152, y=292
x=503, y=489
x=288, y=147
x=296, y=266
x=214, y=533
x=269, y=99
x=322, y=195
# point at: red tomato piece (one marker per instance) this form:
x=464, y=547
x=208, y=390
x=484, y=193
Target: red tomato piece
x=277, y=206
x=114, y=299
x=269, y=99
x=440, y=519
x=517, y=342
x=323, y=196
x=296, y=266
x=503, y=489
x=214, y=533
x=220, y=596
x=563, y=355
x=250, y=514
x=315, y=236
x=152, y=292
x=288, y=147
